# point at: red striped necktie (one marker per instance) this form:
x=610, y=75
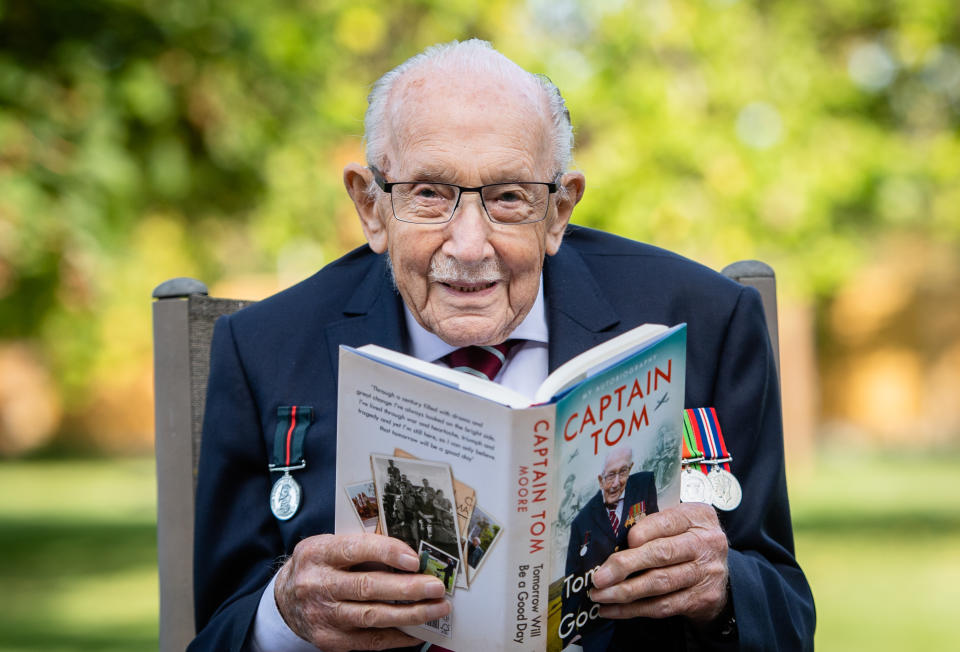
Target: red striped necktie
x=482, y=361
x=614, y=521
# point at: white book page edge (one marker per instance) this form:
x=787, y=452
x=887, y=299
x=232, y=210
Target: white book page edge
x=579, y=367
x=465, y=382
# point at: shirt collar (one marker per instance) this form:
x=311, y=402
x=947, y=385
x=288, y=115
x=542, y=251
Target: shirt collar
x=427, y=346
x=617, y=505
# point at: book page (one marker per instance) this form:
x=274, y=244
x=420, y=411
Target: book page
x=450, y=377
x=600, y=357
x=487, y=447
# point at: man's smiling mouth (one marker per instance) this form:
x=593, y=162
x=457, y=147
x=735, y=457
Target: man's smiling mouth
x=472, y=287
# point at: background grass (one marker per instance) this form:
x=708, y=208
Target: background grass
x=78, y=555
x=879, y=538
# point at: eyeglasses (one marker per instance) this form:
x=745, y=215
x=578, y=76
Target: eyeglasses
x=621, y=473
x=426, y=202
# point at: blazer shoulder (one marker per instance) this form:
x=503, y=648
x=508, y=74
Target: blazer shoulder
x=611, y=258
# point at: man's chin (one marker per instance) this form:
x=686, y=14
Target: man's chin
x=471, y=331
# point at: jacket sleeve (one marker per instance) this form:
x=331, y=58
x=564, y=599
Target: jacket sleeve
x=234, y=544
x=773, y=605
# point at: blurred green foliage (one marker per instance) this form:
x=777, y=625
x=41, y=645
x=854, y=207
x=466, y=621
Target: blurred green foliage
x=145, y=139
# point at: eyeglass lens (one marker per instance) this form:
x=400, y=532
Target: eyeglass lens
x=507, y=203
x=622, y=473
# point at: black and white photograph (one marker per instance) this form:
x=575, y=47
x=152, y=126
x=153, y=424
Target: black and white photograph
x=415, y=500
x=482, y=533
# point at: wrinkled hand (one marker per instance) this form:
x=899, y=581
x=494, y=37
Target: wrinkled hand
x=680, y=557
x=324, y=599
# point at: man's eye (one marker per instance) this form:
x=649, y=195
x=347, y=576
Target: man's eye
x=429, y=192
x=509, y=196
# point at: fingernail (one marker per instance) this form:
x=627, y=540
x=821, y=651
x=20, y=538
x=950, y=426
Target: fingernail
x=409, y=562
x=602, y=577
x=435, y=589
x=439, y=610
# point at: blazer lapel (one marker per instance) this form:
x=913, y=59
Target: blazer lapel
x=578, y=313
x=373, y=315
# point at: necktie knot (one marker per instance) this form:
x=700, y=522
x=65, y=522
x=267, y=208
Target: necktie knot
x=483, y=361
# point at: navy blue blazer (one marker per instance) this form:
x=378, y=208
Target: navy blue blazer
x=284, y=351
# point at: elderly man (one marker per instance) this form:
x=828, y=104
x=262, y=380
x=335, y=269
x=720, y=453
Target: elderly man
x=600, y=529
x=465, y=203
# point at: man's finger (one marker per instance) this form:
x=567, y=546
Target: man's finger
x=701, y=602
x=671, y=522
x=662, y=606
x=380, y=586
x=658, y=553
x=654, y=582
x=363, y=615
x=347, y=550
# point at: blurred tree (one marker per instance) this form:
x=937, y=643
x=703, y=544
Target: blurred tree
x=142, y=139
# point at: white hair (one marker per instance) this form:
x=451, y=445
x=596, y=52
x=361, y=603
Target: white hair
x=467, y=57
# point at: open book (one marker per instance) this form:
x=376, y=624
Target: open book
x=502, y=495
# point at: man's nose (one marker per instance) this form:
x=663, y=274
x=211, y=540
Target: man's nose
x=468, y=231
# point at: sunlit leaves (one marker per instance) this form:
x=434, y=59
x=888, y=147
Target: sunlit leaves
x=151, y=138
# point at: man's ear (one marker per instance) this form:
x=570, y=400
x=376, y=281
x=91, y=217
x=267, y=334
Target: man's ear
x=600, y=481
x=570, y=193
x=358, y=179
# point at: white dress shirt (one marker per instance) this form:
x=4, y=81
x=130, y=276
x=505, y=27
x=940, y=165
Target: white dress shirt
x=523, y=372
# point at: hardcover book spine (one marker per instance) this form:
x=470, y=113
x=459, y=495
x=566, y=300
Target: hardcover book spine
x=532, y=475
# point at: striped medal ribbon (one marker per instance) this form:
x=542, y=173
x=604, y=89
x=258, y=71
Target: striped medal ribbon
x=694, y=486
x=292, y=424
x=727, y=492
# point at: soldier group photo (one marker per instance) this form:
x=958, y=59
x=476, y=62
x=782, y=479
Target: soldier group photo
x=416, y=502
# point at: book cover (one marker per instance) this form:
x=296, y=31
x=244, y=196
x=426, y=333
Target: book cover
x=618, y=443
x=488, y=492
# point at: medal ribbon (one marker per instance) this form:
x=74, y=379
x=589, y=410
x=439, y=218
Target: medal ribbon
x=690, y=449
x=292, y=424
x=706, y=428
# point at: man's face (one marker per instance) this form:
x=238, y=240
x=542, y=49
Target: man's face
x=470, y=133
x=613, y=479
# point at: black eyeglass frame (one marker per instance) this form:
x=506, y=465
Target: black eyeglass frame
x=387, y=187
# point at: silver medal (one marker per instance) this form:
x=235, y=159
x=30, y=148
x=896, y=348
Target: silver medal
x=725, y=488
x=694, y=487
x=285, y=497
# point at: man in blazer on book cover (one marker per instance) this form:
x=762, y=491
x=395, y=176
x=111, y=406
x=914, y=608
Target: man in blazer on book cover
x=465, y=202
x=597, y=531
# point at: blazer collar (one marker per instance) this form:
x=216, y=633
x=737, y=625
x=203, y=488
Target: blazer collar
x=372, y=315
x=578, y=313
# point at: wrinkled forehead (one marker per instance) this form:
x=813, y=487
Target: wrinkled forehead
x=616, y=460
x=435, y=108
